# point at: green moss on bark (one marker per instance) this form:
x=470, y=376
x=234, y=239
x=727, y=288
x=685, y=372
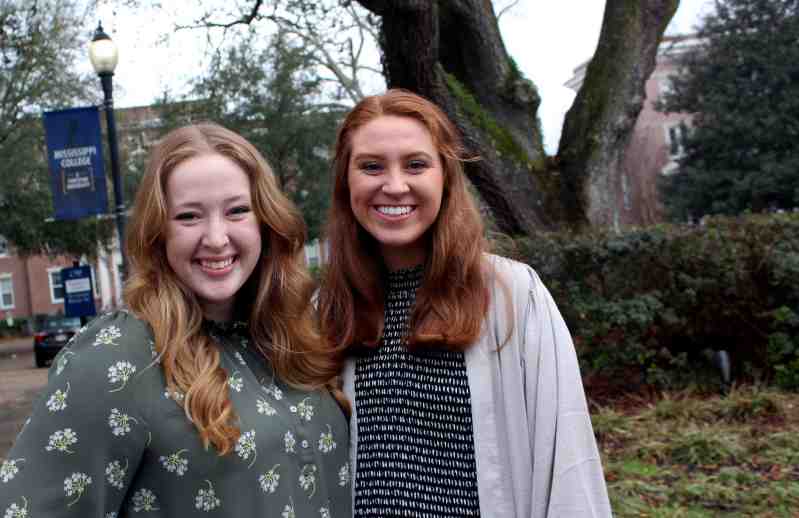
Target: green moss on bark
x=501, y=138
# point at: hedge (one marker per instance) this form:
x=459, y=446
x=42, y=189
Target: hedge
x=649, y=306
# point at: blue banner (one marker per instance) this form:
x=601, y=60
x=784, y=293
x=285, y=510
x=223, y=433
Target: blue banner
x=78, y=291
x=75, y=156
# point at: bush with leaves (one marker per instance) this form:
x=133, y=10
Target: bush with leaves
x=651, y=305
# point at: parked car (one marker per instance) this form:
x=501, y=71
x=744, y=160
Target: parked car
x=53, y=334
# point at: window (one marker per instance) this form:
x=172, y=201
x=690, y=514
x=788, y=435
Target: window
x=676, y=135
x=6, y=291
x=95, y=287
x=3, y=247
x=56, y=285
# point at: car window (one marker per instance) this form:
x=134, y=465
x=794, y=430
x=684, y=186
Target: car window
x=61, y=323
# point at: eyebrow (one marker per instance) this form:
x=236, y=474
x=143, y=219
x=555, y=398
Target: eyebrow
x=226, y=201
x=415, y=154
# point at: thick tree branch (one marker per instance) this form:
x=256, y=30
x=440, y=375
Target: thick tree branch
x=600, y=122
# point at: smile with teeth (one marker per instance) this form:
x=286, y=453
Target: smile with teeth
x=216, y=265
x=394, y=210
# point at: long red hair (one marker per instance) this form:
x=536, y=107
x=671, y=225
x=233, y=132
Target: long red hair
x=275, y=300
x=453, y=299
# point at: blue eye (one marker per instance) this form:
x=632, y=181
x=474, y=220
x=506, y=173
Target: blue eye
x=243, y=209
x=417, y=165
x=370, y=167
x=185, y=216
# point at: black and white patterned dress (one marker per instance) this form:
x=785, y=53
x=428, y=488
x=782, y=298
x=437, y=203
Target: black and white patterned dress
x=415, y=440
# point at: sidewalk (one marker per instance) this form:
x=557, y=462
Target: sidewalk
x=16, y=344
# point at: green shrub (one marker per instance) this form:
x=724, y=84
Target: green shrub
x=650, y=305
x=19, y=327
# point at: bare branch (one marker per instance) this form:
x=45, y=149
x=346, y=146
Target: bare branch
x=205, y=23
x=507, y=8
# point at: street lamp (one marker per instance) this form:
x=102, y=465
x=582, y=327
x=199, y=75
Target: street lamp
x=103, y=55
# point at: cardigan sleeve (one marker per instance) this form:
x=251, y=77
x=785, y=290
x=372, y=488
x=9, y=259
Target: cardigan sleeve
x=78, y=452
x=567, y=470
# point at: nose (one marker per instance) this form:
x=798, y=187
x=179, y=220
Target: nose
x=395, y=183
x=216, y=233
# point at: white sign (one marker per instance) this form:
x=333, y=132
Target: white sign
x=78, y=285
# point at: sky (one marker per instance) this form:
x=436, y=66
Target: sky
x=547, y=39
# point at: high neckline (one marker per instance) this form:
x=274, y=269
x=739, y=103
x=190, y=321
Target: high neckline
x=225, y=328
x=411, y=276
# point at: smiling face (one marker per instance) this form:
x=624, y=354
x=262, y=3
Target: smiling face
x=396, y=182
x=213, y=239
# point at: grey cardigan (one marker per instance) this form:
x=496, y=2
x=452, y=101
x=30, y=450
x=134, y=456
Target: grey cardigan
x=534, y=446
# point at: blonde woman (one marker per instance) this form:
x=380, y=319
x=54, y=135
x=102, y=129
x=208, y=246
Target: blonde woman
x=208, y=394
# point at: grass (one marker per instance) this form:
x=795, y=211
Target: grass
x=688, y=455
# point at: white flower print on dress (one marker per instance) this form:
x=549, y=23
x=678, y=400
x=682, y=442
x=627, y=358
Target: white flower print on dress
x=15, y=511
x=115, y=473
x=107, y=335
x=264, y=407
x=144, y=500
x=245, y=446
x=308, y=479
x=175, y=463
x=289, y=441
x=120, y=372
x=270, y=480
x=120, y=422
x=206, y=499
x=58, y=401
x=9, y=469
x=239, y=357
x=61, y=440
x=274, y=391
x=62, y=361
x=344, y=475
x=153, y=351
x=303, y=409
x=235, y=381
x=324, y=512
x=75, y=485
x=326, y=443
x=112, y=514
x=288, y=511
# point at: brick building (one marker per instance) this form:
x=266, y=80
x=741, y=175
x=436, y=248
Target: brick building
x=32, y=285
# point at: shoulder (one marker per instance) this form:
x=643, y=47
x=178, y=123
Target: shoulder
x=118, y=338
x=516, y=289
x=517, y=277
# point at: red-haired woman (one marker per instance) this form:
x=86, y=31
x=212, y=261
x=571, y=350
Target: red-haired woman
x=207, y=396
x=467, y=394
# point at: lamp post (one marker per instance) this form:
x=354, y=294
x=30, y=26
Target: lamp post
x=104, y=56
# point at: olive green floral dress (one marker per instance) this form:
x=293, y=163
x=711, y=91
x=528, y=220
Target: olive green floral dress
x=107, y=440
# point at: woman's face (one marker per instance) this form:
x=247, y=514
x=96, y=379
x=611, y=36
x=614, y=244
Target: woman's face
x=396, y=182
x=213, y=239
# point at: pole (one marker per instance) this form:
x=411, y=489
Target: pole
x=119, y=201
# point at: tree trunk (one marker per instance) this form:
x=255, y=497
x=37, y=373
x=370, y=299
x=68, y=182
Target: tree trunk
x=451, y=52
x=599, y=124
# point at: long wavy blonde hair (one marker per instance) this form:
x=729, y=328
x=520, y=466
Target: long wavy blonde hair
x=275, y=300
